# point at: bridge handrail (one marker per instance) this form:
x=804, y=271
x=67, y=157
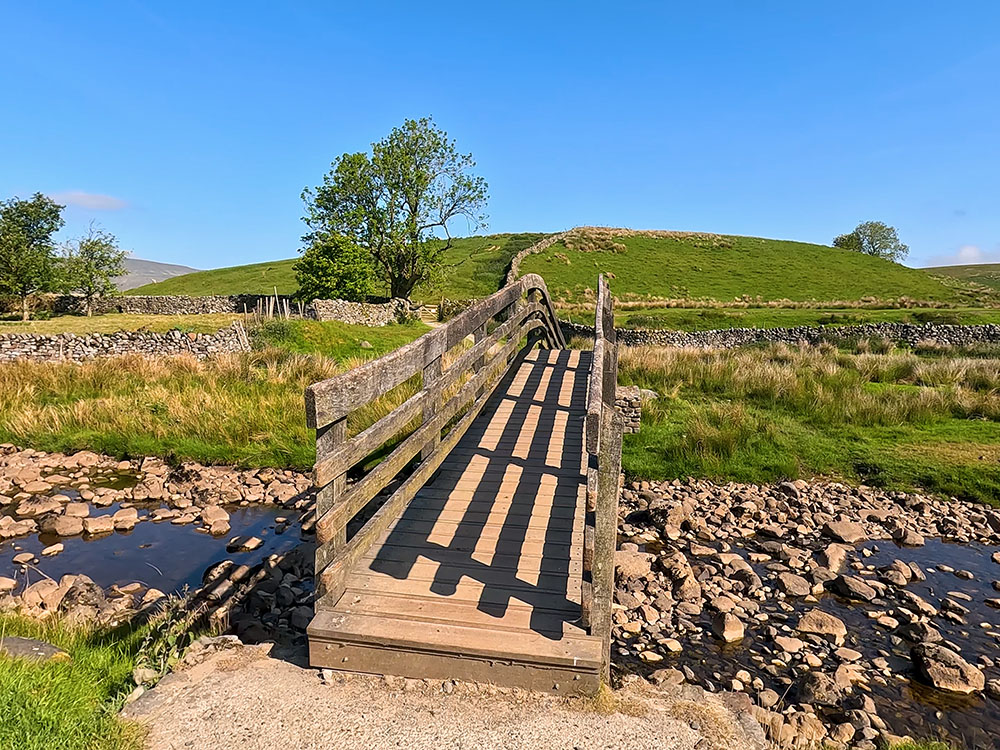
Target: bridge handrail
x=603, y=451
x=521, y=308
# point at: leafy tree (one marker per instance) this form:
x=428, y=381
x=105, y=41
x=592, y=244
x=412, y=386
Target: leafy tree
x=874, y=238
x=27, y=250
x=334, y=267
x=395, y=201
x=91, y=264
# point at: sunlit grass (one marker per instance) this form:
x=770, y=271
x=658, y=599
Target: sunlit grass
x=895, y=419
x=70, y=705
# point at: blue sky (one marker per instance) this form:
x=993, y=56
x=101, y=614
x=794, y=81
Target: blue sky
x=190, y=129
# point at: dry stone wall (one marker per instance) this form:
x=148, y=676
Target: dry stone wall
x=628, y=402
x=909, y=334
x=72, y=347
x=359, y=313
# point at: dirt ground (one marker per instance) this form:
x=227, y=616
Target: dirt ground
x=246, y=700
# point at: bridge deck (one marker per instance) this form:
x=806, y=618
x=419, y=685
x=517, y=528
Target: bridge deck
x=480, y=577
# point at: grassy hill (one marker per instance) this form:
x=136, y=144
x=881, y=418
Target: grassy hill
x=987, y=274
x=473, y=267
x=700, y=266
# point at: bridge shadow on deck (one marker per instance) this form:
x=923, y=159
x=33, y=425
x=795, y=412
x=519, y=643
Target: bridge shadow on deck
x=505, y=510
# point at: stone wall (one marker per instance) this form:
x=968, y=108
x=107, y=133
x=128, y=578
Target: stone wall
x=359, y=313
x=628, y=402
x=909, y=334
x=76, y=348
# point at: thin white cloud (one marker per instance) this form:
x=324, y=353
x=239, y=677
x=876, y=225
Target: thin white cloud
x=967, y=255
x=91, y=201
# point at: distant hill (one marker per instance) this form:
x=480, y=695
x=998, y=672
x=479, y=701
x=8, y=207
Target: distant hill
x=724, y=267
x=987, y=274
x=644, y=265
x=473, y=267
x=141, y=272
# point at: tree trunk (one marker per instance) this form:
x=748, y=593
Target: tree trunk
x=90, y=307
x=24, y=307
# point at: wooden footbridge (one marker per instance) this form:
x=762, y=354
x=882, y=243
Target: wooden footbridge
x=470, y=532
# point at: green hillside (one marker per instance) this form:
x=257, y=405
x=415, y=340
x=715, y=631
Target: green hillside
x=473, y=267
x=987, y=274
x=698, y=266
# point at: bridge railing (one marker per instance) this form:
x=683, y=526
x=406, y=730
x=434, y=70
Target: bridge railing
x=455, y=385
x=603, y=453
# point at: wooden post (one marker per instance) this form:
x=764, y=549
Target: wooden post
x=329, y=542
x=432, y=384
x=606, y=530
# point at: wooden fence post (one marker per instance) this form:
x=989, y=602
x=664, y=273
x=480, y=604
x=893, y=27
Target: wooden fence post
x=432, y=384
x=606, y=530
x=329, y=542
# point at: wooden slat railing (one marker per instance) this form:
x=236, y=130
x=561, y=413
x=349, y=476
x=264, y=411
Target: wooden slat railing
x=603, y=453
x=498, y=324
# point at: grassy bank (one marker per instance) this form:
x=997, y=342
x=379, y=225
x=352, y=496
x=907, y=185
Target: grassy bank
x=68, y=705
x=244, y=409
x=696, y=266
x=80, y=324
x=899, y=419
x=986, y=274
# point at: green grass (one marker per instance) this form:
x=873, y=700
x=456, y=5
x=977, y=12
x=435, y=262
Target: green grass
x=472, y=267
x=339, y=341
x=896, y=420
x=112, y=322
x=244, y=409
x=987, y=274
x=727, y=268
x=255, y=278
x=703, y=319
x=68, y=705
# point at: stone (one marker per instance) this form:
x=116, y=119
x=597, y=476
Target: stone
x=61, y=525
x=946, y=670
x=31, y=649
x=908, y=538
x=53, y=549
x=633, y=564
x=212, y=514
x=768, y=698
x=847, y=654
x=77, y=510
x=23, y=558
x=668, y=676
x=920, y=632
x=37, y=487
x=7, y=585
x=834, y=557
x=818, y=622
x=37, y=506
x=851, y=587
x=789, y=644
x=794, y=585
x=244, y=543
x=917, y=603
x=820, y=689
x=846, y=532
x=727, y=627
x=125, y=519
x=98, y=525
x=993, y=689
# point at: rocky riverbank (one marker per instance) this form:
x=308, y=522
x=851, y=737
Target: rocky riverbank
x=849, y=615
x=93, y=538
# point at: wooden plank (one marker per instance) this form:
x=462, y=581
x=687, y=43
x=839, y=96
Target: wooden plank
x=488, y=532
x=580, y=652
x=555, y=550
x=447, y=556
x=516, y=618
x=461, y=563
x=486, y=587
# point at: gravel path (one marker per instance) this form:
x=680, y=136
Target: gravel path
x=248, y=701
